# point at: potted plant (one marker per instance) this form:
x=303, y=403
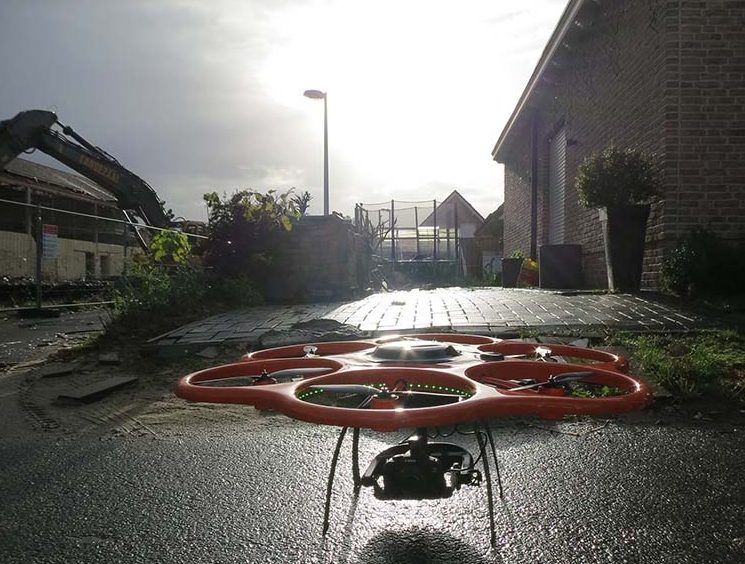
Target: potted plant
x=620, y=183
x=511, y=268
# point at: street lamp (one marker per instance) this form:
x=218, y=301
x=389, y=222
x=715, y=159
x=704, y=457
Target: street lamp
x=318, y=95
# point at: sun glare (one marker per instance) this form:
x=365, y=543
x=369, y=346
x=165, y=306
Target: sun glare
x=413, y=87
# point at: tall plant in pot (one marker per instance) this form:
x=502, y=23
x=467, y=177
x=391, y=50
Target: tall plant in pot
x=620, y=183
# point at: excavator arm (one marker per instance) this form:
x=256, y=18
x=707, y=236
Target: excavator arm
x=33, y=129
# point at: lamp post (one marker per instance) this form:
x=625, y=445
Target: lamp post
x=318, y=95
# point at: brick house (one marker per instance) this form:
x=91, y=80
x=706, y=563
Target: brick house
x=664, y=76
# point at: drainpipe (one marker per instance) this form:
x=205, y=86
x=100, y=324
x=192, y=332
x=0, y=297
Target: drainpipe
x=534, y=186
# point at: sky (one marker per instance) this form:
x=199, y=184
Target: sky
x=197, y=96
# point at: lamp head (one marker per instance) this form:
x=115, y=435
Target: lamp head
x=315, y=94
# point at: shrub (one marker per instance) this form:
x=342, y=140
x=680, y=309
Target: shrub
x=703, y=265
x=238, y=291
x=617, y=177
x=246, y=230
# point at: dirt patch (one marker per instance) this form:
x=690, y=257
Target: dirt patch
x=148, y=407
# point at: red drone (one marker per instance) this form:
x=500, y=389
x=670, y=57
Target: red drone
x=425, y=382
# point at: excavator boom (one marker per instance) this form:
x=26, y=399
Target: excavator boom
x=33, y=129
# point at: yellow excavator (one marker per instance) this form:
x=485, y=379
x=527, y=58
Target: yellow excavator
x=35, y=129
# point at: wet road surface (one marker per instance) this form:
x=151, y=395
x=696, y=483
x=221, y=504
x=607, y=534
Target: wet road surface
x=588, y=491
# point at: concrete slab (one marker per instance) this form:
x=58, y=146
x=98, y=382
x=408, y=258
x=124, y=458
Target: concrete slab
x=97, y=390
x=57, y=370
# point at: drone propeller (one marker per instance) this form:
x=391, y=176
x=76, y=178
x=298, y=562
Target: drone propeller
x=355, y=389
x=383, y=398
x=555, y=381
x=270, y=377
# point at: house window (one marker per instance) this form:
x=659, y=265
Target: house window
x=105, y=266
x=557, y=151
x=90, y=266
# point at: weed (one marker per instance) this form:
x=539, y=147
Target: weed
x=688, y=366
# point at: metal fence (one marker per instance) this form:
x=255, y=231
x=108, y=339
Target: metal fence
x=55, y=244
x=403, y=231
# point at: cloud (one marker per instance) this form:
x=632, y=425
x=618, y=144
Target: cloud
x=195, y=95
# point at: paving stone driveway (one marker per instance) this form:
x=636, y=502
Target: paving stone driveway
x=489, y=311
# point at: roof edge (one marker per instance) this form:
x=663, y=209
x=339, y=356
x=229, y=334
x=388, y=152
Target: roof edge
x=565, y=22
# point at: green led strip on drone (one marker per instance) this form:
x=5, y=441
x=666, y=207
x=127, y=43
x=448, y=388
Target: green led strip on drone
x=445, y=389
x=308, y=393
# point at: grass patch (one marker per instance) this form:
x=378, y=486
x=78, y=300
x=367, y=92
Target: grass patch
x=709, y=363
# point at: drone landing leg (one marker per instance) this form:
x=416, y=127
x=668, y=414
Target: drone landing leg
x=334, y=461
x=496, y=460
x=489, y=496
x=356, y=459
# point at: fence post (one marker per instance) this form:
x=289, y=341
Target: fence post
x=416, y=227
x=434, y=230
x=455, y=212
x=393, y=233
x=39, y=251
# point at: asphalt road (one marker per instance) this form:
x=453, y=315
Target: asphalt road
x=625, y=491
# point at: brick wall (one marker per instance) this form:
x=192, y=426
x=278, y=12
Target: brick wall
x=705, y=47
x=610, y=90
x=321, y=260
x=664, y=76
x=517, y=207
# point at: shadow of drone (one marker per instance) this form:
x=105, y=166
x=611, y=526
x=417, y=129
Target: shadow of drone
x=419, y=546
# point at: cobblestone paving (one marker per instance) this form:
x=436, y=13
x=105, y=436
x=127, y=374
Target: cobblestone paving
x=488, y=311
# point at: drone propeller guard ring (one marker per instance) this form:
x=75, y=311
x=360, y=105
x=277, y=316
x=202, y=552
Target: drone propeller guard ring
x=327, y=348
x=389, y=419
x=600, y=359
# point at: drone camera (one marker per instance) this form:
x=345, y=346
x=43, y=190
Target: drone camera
x=418, y=469
x=408, y=477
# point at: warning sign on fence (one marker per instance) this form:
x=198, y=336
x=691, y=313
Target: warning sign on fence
x=49, y=241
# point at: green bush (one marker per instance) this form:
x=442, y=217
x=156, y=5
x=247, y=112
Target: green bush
x=170, y=247
x=703, y=265
x=617, y=177
x=148, y=289
x=247, y=229
x=238, y=291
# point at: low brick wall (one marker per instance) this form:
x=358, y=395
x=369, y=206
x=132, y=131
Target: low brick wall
x=323, y=259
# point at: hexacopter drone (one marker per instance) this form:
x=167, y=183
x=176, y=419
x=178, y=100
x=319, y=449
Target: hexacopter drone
x=425, y=382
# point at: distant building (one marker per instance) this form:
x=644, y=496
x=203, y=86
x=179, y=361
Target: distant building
x=457, y=216
x=78, y=246
x=489, y=238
